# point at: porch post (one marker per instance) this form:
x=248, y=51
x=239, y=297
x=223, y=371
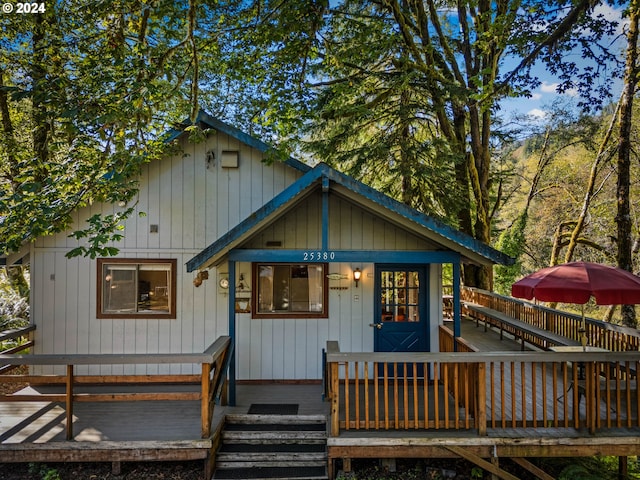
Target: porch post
x=232, y=332
x=325, y=213
x=456, y=302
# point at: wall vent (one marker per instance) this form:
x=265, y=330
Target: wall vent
x=229, y=159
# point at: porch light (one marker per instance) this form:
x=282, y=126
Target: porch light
x=356, y=276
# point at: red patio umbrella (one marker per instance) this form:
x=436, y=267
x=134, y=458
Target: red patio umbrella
x=576, y=282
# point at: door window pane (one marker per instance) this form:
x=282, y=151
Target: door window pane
x=400, y=296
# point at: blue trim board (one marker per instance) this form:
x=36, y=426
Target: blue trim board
x=325, y=213
x=329, y=256
x=232, y=333
x=327, y=174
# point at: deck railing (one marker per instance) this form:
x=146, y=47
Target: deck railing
x=599, y=334
x=21, y=339
x=481, y=390
x=211, y=381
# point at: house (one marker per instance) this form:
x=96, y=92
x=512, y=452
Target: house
x=280, y=256
x=309, y=275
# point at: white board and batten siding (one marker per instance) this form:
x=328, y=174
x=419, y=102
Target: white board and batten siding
x=291, y=349
x=192, y=203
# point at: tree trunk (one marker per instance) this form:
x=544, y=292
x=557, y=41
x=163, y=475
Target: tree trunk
x=8, y=136
x=623, y=217
x=586, y=203
x=41, y=127
x=17, y=280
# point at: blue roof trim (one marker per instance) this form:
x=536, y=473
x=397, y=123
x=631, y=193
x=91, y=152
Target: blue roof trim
x=322, y=171
x=420, y=218
x=283, y=198
x=219, y=125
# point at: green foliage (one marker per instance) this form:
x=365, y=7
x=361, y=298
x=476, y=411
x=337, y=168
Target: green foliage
x=400, y=94
x=102, y=229
x=84, y=94
x=512, y=242
x=45, y=472
x=14, y=305
x=477, y=472
x=593, y=468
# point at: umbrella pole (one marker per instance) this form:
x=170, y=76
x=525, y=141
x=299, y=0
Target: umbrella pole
x=583, y=331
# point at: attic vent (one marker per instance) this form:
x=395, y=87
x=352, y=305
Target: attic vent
x=274, y=243
x=229, y=159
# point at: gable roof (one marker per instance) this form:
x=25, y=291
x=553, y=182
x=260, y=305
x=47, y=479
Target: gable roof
x=361, y=194
x=204, y=118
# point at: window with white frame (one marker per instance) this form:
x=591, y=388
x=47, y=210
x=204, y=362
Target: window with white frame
x=283, y=289
x=136, y=288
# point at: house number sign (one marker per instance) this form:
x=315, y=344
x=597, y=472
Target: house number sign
x=318, y=255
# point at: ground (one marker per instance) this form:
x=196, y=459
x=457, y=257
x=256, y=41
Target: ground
x=102, y=471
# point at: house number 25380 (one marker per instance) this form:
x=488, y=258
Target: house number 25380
x=319, y=255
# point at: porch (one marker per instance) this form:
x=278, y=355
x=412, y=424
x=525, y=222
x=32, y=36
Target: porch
x=492, y=401
x=497, y=391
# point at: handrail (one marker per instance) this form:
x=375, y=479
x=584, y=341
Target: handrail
x=599, y=333
x=213, y=363
x=478, y=390
x=471, y=357
x=105, y=358
x=16, y=332
x=25, y=333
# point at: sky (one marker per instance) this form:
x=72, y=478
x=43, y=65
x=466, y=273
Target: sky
x=543, y=96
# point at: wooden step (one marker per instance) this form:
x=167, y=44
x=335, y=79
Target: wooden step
x=271, y=457
x=272, y=462
x=273, y=473
x=244, y=436
x=268, y=447
x=280, y=419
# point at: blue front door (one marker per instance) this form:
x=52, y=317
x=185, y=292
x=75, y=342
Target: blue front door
x=401, y=323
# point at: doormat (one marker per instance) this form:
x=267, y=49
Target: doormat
x=273, y=409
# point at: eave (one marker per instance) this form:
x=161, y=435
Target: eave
x=470, y=249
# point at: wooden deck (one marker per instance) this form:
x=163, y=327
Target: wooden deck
x=559, y=423
x=69, y=418
x=166, y=430
x=42, y=422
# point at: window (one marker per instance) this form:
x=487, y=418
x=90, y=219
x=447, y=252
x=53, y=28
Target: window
x=290, y=290
x=400, y=291
x=134, y=288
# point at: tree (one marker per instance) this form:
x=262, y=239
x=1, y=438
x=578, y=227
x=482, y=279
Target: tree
x=96, y=83
x=389, y=71
x=562, y=136
x=410, y=86
x=623, y=217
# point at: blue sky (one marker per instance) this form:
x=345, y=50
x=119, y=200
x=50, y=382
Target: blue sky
x=546, y=93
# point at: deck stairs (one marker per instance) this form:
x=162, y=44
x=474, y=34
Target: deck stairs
x=286, y=447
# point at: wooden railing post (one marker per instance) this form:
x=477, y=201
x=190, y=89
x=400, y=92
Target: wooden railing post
x=69, y=401
x=205, y=402
x=481, y=410
x=334, y=390
x=591, y=396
